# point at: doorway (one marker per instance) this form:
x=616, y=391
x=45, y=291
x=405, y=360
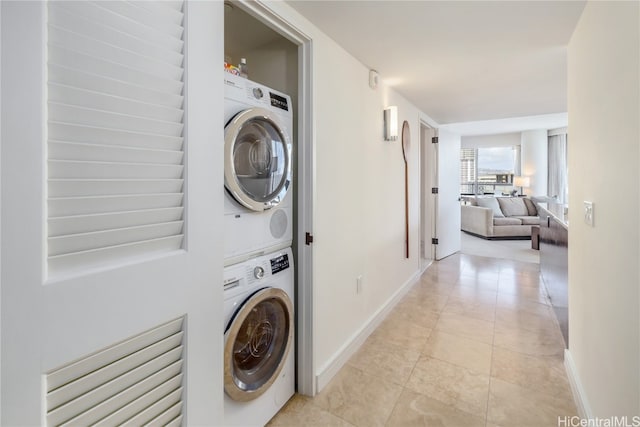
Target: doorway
x=279, y=56
x=427, y=205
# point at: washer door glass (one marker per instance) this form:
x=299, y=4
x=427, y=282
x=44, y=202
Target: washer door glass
x=258, y=342
x=258, y=169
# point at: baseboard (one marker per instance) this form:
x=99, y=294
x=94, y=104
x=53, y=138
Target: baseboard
x=353, y=344
x=579, y=395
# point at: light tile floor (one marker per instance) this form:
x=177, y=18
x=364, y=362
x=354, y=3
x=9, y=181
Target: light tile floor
x=474, y=343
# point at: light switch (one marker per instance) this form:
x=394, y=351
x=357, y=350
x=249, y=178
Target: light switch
x=588, y=213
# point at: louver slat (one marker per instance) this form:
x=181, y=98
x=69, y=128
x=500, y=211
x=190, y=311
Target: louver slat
x=116, y=79
x=155, y=369
x=155, y=21
x=93, y=12
x=71, y=206
x=110, y=153
x=102, y=257
x=167, y=416
x=107, y=102
x=105, y=221
x=97, y=239
x=92, y=30
x=146, y=415
x=134, y=382
x=73, y=132
x=68, y=113
x=115, y=128
x=88, y=187
x=119, y=55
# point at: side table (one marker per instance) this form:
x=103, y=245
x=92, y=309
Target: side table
x=535, y=237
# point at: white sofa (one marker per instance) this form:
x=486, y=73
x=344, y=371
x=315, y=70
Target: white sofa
x=499, y=217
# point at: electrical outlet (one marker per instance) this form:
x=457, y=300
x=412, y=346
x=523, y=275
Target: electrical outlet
x=359, y=284
x=588, y=213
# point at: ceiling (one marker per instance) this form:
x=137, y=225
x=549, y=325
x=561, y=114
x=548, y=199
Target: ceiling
x=459, y=61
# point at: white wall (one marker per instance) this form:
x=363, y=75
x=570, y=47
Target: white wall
x=534, y=152
x=499, y=140
x=276, y=65
x=359, y=200
x=359, y=227
x=604, y=323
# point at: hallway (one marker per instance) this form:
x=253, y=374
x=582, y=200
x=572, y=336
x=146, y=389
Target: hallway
x=473, y=343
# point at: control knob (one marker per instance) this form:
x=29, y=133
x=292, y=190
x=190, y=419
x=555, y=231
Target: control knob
x=257, y=92
x=258, y=272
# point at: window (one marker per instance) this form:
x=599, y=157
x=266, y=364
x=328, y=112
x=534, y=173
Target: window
x=488, y=170
x=558, y=183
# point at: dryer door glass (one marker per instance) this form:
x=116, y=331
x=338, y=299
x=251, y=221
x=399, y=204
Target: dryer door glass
x=258, y=343
x=260, y=159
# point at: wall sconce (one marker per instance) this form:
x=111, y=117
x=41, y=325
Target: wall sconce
x=521, y=181
x=391, y=123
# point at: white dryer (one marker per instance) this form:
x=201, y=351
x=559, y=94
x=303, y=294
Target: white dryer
x=259, y=363
x=258, y=169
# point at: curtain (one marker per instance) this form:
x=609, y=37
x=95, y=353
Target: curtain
x=517, y=160
x=557, y=180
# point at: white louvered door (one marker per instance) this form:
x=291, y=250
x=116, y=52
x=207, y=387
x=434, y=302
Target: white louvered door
x=111, y=213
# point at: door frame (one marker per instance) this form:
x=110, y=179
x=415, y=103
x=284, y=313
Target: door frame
x=428, y=160
x=427, y=200
x=305, y=188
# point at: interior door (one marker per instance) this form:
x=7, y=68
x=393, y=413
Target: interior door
x=48, y=323
x=448, y=198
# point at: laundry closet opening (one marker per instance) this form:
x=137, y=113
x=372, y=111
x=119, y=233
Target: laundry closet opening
x=264, y=203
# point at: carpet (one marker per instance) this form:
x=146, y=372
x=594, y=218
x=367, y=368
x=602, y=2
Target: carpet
x=516, y=250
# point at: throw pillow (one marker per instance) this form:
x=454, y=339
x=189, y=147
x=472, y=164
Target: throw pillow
x=513, y=206
x=531, y=207
x=492, y=203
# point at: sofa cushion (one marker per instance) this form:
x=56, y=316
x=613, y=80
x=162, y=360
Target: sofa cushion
x=531, y=207
x=529, y=220
x=513, y=206
x=507, y=221
x=492, y=203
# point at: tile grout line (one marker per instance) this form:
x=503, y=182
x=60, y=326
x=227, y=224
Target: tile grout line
x=493, y=347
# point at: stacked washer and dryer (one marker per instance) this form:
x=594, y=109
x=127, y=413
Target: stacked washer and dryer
x=259, y=363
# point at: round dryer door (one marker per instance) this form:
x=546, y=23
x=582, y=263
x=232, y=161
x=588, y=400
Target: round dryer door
x=257, y=150
x=257, y=344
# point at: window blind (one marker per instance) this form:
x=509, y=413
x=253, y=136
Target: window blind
x=115, y=131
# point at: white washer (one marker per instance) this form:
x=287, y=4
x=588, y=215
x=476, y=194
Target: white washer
x=259, y=362
x=258, y=208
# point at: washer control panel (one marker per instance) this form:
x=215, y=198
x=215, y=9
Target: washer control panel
x=256, y=271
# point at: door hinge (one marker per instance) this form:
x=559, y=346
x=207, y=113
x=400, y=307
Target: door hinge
x=308, y=238
x=434, y=190
x=434, y=241
x=434, y=140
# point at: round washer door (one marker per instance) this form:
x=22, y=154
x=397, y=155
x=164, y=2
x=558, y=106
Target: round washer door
x=257, y=152
x=257, y=344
